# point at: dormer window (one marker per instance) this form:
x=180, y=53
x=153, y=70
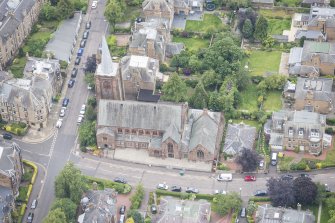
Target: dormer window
x=290, y=131
x=314, y=133
x=301, y=132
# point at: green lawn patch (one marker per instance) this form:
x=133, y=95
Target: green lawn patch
x=18, y=66
x=262, y=62
x=209, y=21
x=290, y=3
x=40, y=35
x=23, y=190
x=276, y=26
x=247, y=122
x=131, y=13
x=325, y=214
x=192, y=44
x=285, y=163
x=249, y=98
x=272, y=101
x=269, y=13
x=28, y=173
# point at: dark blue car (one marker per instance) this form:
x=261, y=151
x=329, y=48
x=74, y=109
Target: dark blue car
x=65, y=102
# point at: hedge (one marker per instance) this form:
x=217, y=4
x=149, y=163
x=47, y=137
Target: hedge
x=28, y=163
x=208, y=197
x=137, y=197
x=260, y=199
x=119, y=187
x=19, y=129
x=30, y=188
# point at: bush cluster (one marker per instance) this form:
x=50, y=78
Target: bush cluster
x=119, y=187
x=137, y=197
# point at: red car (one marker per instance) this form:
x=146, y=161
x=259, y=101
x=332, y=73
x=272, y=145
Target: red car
x=249, y=178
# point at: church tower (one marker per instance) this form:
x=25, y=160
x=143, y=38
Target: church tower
x=108, y=82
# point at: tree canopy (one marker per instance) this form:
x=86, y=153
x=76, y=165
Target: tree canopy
x=248, y=29
x=281, y=192
x=87, y=132
x=55, y=216
x=67, y=207
x=199, y=98
x=114, y=11
x=174, y=89
x=70, y=183
x=224, y=203
x=248, y=159
x=305, y=190
x=261, y=28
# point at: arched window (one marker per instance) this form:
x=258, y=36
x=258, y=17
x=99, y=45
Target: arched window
x=200, y=155
x=106, y=85
x=170, y=150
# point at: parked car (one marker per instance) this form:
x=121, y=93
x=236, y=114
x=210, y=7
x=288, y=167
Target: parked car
x=243, y=213
x=80, y=52
x=83, y=109
x=287, y=177
x=122, y=218
x=83, y=43
x=176, y=189
x=65, y=102
x=192, y=190
x=62, y=112
x=80, y=119
x=153, y=209
x=30, y=217
x=88, y=25
x=120, y=180
x=163, y=186
x=249, y=178
x=85, y=35
x=7, y=136
x=261, y=164
x=219, y=192
x=94, y=4
x=74, y=72
x=59, y=123
x=327, y=188
x=33, y=204
x=304, y=175
x=122, y=209
x=261, y=193
x=71, y=83
x=77, y=61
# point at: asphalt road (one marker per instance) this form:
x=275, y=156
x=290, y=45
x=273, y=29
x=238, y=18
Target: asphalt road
x=52, y=154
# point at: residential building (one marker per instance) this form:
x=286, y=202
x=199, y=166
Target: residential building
x=163, y=130
x=29, y=99
x=298, y=129
x=11, y=170
x=182, y=211
x=268, y=214
x=262, y=3
x=17, y=18
x=312, y=59
x=134, y=78
x=310, y=3
x=238, y=137
x=99, y=206
x=312, y=94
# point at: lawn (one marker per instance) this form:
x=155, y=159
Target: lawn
x=290, y=3
x=269, y=13
x=209, y=20
x=273, y=101
x=17, y=67
x=249, y=98
x=248, y=122
x=262, y=62
x=325, y=214
x=276, y=26
x=192, y=44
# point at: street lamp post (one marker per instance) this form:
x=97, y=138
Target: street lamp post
x=240, y=191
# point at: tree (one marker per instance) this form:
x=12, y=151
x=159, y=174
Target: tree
x=248, y=159
x=302, y=41
x=305, y=190
x=181, y=60
x=90, y=80
x=210, y=79
x=224, y=203
x=214, y=101
x=281, y=192
x=248, y=29
x=137, y=217
x=67, y=207
x=194, y=63
x=223, y=56
x=332, y=216
x=87, y=134
x=250, y=14
x=321, y=194
x=48, y=12
x=174, y=89
x=199, y=98
x=90, y=113
x=114, y=12
x=65, y=9
x=130, y=220
x=91, y=64
x=70, y=183
x=261, y=28
x=228, y=96
x=55, y=216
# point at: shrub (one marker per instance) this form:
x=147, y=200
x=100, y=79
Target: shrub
x=119, y=187
x=311, y=164
x=191, y=83
x=208, y=197
x=298, y=166
x=260, y=199
x=329, y=131
x=163, y=67
x=318, y=165
x=137, y=197
x=330, y=121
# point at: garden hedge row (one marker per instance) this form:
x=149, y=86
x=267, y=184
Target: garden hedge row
x=32, y=165
x=260, y=199
x=208, y=197
x=119, y=187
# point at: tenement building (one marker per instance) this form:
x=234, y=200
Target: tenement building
x=163, y=130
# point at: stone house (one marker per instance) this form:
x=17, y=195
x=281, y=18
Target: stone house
x=163, y=130
x=16, y=20
x=298, y=129
x=29, y=99
x=99, y=206
x=125, y=80
x=314, y=94
x=312, y=59
x=238, y=137
x=11, y=167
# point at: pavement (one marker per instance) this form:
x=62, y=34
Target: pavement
x=141, y=156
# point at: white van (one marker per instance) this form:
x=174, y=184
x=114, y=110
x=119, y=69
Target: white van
x=225, y=177
x=274, y=159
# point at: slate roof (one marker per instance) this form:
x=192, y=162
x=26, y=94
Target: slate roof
x=147, y=96
x=281, y=38
x=11, y=23
x=6, y=199
x=6, y=157
x=325, y=50
x=303, y=70
x=320, y=87
x=173, y=49
x=239, y=136
x=310, y=34
x=133, y=114
x=268, y=214
x=312, y=2
x=107, y=67
x=163, y=5
x=173, y=133
x=295, y=55
x=276, y=139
